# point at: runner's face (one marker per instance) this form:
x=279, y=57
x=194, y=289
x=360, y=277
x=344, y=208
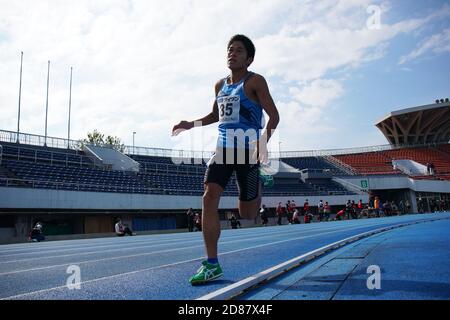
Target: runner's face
x=237, y=56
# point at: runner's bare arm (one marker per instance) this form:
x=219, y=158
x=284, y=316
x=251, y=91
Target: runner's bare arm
x=210, y=118
x=265, y=99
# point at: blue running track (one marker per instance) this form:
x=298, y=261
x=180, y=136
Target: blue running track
x=157, y=267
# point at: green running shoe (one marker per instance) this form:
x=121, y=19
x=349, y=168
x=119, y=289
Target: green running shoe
x=265, y=177
x=207, y=272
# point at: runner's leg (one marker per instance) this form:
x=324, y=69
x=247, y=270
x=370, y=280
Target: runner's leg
x=210, y=218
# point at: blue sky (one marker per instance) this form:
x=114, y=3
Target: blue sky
x=145, y=65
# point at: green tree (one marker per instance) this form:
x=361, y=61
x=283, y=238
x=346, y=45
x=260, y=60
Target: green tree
x=95, y=138
x=115, y=143
x=98, y=139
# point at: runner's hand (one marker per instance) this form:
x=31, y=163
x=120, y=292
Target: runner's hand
x=182, y=126
x=260, y=151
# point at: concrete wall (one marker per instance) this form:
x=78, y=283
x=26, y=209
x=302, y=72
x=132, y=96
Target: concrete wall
x=23, y=198
x=401, y=182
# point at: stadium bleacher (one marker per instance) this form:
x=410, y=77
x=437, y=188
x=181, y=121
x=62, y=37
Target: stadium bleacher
x=369, y=163
x=47, y=176
x=66, y=169
x=380, y=162
x=312, y=163
x=329, y=186
x=41, y=154
x=424, y=155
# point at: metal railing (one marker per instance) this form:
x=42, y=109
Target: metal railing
x=87, y=187
x=35, y=183
x=53, y=142
x=38, y=140
x=32, y=155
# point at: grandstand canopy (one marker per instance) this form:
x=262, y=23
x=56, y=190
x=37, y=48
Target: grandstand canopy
x=418, y=125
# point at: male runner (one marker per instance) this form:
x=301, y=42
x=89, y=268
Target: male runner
x=240, y=99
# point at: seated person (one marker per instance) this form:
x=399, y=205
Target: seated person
x=122, y=230
x=340, y=215
x=308, y=217
x=295, y=217
x=36, y=234
x=198, y=222
x=264, y=216
x=235, y=223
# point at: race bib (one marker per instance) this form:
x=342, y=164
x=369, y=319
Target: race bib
x=229, y=107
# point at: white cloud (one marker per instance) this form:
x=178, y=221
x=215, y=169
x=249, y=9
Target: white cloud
x=145, y=65
x=437, y=43
x=318, y=93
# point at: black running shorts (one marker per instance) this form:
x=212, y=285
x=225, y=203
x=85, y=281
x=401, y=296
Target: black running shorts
x=247, y=176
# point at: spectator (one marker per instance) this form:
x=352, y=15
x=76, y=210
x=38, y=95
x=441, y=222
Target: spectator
x=280, y=213
x=433, y=205
x=437, y=205
x=264, y=215
x=442, y=205
x=289, y=211
x=387, y=208
x=377, y=206
x=293, y=205
x=198, y=222
x=37, y=234
x=432, y=169
x=308, y=217
x=371, y=203
x=394, y=209
x=306, y=207
x=122, y=230
x=296, y=217
x=408, y=206
x=190, y=219
x=348, y=209
x=360, y=207
x=340, y=215
x=235, y=223
x=327, y=211
x=401, y=207
x=353, y=212
x=320, y=208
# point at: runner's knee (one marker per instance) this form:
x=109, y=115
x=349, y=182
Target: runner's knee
x=212, y=193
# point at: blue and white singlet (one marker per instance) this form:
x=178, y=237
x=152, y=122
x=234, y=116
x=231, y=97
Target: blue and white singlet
x=240, y=119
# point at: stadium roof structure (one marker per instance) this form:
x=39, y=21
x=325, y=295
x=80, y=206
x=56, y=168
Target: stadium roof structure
x=426, y=124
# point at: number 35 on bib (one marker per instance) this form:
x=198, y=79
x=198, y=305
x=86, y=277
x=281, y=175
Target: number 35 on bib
x=229, y=107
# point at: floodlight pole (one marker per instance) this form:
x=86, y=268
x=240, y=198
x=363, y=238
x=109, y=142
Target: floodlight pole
x=46, y=104
x=70, y=107
x=20, y=94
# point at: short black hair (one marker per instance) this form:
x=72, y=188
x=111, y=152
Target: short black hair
x=248, y=44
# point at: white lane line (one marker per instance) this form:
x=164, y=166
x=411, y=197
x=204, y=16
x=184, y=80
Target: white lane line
x=112, y=241
x=331, y=227
x=60, y=248
x=344, y=228
x=120, y=247
x=167, y=265
x=223, y=240
x=67, y=245
x=169, y=250
x=124, y=246
x=237, y=288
